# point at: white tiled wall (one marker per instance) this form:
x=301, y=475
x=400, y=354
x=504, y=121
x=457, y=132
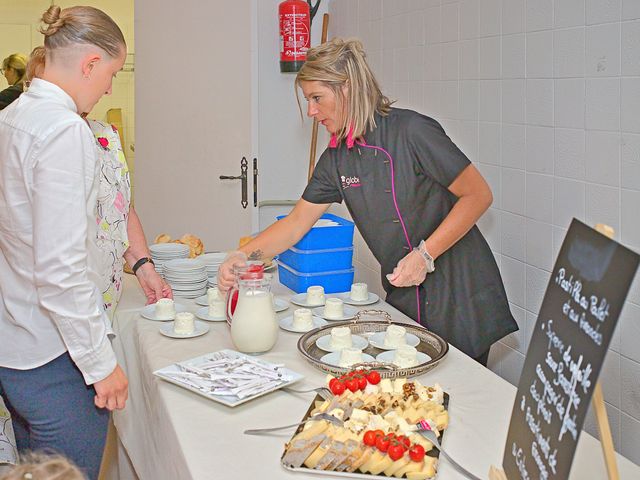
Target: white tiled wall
x=544, y=97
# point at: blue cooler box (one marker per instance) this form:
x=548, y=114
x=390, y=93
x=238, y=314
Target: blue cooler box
x=313, y=261
x=333, y=281
x=320, y=238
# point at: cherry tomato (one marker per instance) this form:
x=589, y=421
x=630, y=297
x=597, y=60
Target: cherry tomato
x=332, y=381
x=416, y=453
x=404, y=441
x=373, y=378
x=369, y=438
x=395, y=452
x=362, y=383
x=382, y=443
x=338, y=388
x=352, y=384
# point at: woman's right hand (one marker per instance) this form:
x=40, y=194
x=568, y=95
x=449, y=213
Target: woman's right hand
x=226, y=278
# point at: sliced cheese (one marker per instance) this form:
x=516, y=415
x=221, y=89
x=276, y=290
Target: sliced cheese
x=397, y=465
x=409, y=468
x=381, y=465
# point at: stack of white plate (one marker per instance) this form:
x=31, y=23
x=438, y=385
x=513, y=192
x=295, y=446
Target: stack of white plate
x=163, y=252
x=211, y=262
x=187, y=277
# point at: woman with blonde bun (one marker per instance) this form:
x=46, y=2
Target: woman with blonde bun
x=413, y=194
x=120, y=235
x=58, y=372
x=13, y=69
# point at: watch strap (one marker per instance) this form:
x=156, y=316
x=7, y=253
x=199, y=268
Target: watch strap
x=431, y=266
x=141, y=262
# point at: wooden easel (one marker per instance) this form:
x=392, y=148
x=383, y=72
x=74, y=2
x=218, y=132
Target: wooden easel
x=597, y=402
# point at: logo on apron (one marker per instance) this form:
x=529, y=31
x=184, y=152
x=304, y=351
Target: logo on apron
x=350, y=182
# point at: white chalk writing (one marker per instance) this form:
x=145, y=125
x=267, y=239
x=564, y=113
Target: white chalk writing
x=562, y=377
x=520, y=461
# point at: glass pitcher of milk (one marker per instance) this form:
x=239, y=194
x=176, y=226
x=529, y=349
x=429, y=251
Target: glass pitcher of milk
x=254, y=328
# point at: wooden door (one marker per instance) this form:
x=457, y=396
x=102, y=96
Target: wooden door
x=193, y=118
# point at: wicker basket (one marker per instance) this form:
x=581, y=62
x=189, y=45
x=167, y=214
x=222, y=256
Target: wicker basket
x=430, y=343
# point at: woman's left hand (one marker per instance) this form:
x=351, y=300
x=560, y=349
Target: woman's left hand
x=410, y=271
x=153, y=284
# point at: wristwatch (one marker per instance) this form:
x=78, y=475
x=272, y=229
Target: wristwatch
x=141, y=262
x=431, y=266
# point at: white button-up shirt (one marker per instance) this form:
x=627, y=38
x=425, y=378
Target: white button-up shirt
x=49, y=300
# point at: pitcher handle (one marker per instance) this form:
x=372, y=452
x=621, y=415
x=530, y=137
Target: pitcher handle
x=229, y=301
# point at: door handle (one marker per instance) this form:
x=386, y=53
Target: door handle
x=243, y=178
x=255, y=182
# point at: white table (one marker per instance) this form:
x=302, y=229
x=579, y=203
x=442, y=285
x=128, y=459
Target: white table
x=171, y=433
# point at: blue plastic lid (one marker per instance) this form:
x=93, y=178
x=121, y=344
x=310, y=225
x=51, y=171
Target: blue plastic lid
x=323, y=250
x=315, y=274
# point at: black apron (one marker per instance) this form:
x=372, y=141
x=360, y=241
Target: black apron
x=394, y=183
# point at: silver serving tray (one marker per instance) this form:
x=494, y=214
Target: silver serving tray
x=434, y=452
x=430, y=343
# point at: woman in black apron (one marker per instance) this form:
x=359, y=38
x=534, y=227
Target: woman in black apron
x=413, y=194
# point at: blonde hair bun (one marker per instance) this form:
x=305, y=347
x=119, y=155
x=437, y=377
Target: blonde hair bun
x=81, y=25
x=52, y=18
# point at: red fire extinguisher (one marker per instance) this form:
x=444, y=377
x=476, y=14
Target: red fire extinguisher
x=295, y=32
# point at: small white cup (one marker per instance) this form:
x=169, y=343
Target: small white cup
x=341, y=338
x=165, y=309
x=333, y=308
x=315, y=295
x=184, y=324
x=350, y=356
x=359, y=292
x=302, y=319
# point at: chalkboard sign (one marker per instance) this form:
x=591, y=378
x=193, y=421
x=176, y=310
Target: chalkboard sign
x=579, y=312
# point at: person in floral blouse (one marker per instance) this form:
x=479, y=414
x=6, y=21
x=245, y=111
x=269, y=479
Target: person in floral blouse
x=120, y=234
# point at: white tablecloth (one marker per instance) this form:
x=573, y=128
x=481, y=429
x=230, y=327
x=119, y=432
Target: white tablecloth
x=171, y=433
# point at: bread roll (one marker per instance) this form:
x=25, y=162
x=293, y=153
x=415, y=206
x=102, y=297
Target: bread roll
x=162, y=238
x=244, y=240
x=196, y=247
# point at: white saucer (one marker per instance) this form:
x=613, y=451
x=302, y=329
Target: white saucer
x=333, y=358
x=279, y=304
x=200, y=329
x=286, y=323
x=324, y=343
x=346, y=298
x=387, y=357
x=203, y=314
x=377, y=340
x=348, y=313
x=203, y=300
x=149, y=312
x=301, y=299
